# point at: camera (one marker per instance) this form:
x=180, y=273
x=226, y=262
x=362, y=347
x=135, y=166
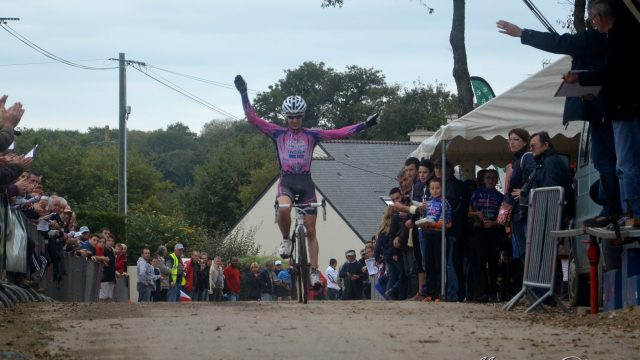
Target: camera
x=524, y=195
x=523, y=201
x=54, y=217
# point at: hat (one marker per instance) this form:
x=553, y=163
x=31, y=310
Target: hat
x=178, y=247
x=84, y=229
x=278, y=262
x=350, y=253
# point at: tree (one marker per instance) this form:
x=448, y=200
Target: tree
x=173, y=151
x=460, y=67
x=456, y=39
x=83, y=169
x=240, y=162
x=420, y=106
x=342, y=98
x=334, y=99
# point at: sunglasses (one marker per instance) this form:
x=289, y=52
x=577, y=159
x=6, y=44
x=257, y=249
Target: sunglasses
x=294, y=117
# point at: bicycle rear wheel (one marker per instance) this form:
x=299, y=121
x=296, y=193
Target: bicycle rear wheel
x=303, y=263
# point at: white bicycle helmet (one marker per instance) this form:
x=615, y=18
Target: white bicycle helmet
x=294, y=105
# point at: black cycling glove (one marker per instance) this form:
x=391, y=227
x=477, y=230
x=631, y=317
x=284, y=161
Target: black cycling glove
x=241, y=85
x=372, y=120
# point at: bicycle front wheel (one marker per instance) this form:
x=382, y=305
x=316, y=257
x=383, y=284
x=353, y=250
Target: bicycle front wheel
x=303, y=263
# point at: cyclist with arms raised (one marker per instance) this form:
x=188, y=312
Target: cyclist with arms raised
x=294, y=147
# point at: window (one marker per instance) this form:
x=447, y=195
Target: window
x=585, y=145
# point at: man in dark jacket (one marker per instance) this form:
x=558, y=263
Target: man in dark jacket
x=551, y=170
x=351, y=272
x=587, y=51
x=265, y=281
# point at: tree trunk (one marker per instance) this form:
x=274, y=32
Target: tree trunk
x=460, y=67
x=578, y=15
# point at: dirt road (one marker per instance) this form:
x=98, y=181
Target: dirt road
x=320, y=330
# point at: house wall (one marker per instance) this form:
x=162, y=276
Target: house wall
x=334, y=235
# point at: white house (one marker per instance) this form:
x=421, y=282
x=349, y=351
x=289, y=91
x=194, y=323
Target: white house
x=352, y=176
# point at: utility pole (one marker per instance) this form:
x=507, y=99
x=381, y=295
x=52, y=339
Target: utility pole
x=124, y=112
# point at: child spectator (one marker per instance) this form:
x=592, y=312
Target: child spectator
x=155, y=293
x=488, y=234
x=432, y=224
x=121, y=260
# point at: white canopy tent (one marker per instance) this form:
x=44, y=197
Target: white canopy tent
x=479, y=137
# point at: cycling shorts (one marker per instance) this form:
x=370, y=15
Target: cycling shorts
x=299, y=185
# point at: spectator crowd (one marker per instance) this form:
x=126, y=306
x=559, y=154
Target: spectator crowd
x=485, y=228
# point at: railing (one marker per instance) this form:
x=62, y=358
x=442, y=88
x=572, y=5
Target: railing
x=544, y=216
x=80, y=280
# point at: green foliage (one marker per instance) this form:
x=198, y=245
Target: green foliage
x=152, y=229
x=334, y=99
x=239, y=165
x=337, y=99
x=417, y=107
x=332, y=3
x=96, y=220
x=239, y=243
x=193, y=188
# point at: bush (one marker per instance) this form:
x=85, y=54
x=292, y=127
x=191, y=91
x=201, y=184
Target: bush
x=97, y=220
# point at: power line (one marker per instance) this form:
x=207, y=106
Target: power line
x=49, y=62
x=46, y=53
x=181, y=91
x=365, y=170
x=135, y=64
x=196, y=78
x=219, y=110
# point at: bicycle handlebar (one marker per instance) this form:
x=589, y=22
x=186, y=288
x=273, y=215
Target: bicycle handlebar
x=301, y=206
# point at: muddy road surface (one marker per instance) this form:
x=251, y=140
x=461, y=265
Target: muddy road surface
x=319, y=330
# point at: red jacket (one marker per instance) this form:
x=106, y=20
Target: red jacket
x=232, y=279
x=121, y=263
x=320, y=293
x=189, y=270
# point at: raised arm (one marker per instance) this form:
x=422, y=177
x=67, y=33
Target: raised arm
x=259, y=123
x=585, y=43
x=344, y=132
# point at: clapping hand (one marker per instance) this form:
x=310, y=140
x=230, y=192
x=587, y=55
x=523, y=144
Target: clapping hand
x=10, y=117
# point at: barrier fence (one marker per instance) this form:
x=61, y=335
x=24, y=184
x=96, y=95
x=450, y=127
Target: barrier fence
x=545, y=215
x=24, y=249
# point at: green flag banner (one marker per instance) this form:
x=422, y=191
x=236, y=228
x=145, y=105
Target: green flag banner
x=482, y=90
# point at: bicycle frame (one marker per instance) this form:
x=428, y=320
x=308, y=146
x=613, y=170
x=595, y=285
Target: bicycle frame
x=300, y=258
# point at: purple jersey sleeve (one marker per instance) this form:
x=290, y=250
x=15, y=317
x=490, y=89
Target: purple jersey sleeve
x=265, y=127
x=335, y=134
x=295, y=148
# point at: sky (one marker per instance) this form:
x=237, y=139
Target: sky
x=216, y=40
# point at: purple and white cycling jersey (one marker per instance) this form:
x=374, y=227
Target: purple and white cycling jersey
x=295, y=148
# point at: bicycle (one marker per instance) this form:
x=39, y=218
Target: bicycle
x=300, y=258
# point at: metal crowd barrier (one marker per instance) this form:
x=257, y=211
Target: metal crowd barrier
x=80, y=281
x=373, y=279
x=544, y=216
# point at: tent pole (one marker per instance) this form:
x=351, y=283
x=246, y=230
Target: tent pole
x=443, y=261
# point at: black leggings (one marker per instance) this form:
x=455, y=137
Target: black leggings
x=485, y=256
